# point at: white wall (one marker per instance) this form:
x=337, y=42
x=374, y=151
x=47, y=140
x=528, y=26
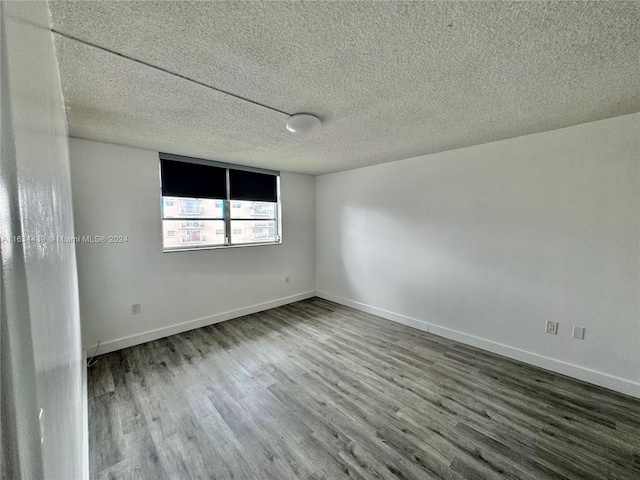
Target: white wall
x=116, y=191
x=486, y=243
x=42, y=361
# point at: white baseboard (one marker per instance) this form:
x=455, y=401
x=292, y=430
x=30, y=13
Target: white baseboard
x=130, y=341
x=618, y=384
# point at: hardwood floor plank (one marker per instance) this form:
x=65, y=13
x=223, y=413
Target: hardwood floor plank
x=316, y=390
x=107, y=432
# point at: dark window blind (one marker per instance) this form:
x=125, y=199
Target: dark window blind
x=183, y=179
x=258, y=187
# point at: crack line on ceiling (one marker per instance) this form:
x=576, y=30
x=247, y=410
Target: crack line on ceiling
x=84, y=42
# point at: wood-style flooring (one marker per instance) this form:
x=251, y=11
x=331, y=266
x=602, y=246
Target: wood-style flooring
x=316, y=390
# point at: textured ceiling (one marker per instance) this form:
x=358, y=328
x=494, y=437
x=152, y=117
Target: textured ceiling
x=390, y=80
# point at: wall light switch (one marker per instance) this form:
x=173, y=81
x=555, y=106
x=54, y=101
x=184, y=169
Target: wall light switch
x=552, y=328
x=135, y=309
x=578, y=332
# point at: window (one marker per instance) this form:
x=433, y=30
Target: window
x=253, y=222
x=192, y=224
x=208, y=204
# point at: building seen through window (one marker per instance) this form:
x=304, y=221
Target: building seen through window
x=251, y=222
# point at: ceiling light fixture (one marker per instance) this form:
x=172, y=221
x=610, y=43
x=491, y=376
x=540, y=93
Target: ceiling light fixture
x=303, y=123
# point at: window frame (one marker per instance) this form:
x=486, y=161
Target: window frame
x=226, y=204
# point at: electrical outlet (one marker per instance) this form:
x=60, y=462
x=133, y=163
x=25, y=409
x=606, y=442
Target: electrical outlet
x=552, y=328
x=287, y=280
x=578, y=332
x=135, y=309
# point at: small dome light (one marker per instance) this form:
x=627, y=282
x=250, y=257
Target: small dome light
x=303, y=123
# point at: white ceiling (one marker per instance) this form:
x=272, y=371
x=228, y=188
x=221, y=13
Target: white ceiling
x=390, y=80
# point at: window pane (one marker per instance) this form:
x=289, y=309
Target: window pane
x=247, y=209
x=247, y=231
x=177, y=207
x=192, y=233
